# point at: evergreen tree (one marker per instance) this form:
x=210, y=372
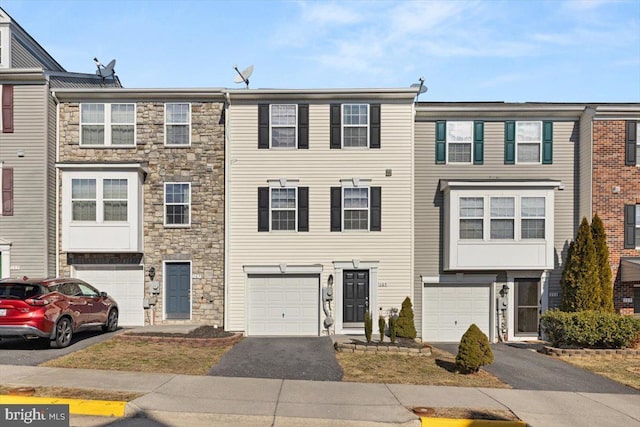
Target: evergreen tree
x=602, y=256
x=580, y=278
x=406, y=327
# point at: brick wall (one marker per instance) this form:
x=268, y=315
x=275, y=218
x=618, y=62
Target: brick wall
x=609, y=170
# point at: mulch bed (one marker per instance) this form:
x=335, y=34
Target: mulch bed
x=200, y=332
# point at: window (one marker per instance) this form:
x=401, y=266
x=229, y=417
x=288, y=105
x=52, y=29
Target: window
x=283, y=209
x=107, y=125
x=637, y=143
x=637, y=225
x=83, y=199
x=459, y=142
x=177, y=124
x=528, y=142
x=356, y=208
x=502, y=221
x=533, y=215
x=471, y=217
x=177, y=202
x=355, y=125
x=115, y=199
x=283, y=125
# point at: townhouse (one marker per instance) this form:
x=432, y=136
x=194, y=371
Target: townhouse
x=27, y=149
x=319, y=208
x=610, y=187
x=141, y=200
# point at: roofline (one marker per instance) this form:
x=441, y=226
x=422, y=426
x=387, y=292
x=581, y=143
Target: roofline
x=343, y=93
x=446, y=184
x=501, y=110
x=70, y=94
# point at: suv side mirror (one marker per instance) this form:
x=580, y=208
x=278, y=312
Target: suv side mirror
x=103, y=294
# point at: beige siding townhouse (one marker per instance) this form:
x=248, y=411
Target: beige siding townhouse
x=495, y=209
x=319, y=209
x=27, y=150
x=141, y=200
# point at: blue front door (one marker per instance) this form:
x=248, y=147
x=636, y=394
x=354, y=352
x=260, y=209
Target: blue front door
x=178, y=290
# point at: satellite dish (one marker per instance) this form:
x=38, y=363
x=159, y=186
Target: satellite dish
x=420, y=86
x=107, y=71
x=243, y=77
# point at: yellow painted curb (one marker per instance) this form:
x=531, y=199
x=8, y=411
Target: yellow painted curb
x=453, y=422
x=106, y=408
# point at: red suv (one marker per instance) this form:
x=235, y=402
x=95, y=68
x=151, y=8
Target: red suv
x=53, y=309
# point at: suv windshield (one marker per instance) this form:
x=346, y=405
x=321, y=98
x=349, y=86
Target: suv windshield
x=20, y=290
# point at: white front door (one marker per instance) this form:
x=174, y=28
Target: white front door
x=283, y=304
x=449, y=310
x=124, y=283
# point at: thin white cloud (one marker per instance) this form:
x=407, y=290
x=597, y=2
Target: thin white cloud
x=325, y=14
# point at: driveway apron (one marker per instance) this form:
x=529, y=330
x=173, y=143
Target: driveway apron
x=522, y=367
x=281, y=358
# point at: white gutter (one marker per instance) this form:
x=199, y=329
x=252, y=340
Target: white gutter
x=53, y=94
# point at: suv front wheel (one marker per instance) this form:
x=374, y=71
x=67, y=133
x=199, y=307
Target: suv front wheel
x=63, y=333
x=112, y=321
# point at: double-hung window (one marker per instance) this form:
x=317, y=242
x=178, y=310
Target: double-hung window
x=471, y=217
x=502, y=217
x=532, y=218
x=528, y=142
x=83, y=199
x=107, y=125
x=177, y=204
x=177, y=119
x=355, y=125
x=283, y=125
x=356, y=208
x=459, y=142
x=283, y=209
x=115, y=199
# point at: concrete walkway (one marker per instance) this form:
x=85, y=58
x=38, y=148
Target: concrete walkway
x=524, y=368
x=177, y=400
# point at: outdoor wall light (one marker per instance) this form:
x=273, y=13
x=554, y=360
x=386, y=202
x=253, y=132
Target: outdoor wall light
x=152, y=273
x=330, y=280
x=505, y=290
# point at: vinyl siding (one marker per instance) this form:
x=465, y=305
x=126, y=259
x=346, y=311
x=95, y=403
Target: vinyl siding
x=429, y=200
x=26, y=229
x=21, y=57
x=585, y=158
x=320, y=168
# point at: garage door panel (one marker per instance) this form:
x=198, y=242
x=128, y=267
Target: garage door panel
x=449, y=310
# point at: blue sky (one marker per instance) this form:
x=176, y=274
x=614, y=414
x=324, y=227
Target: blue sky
x=561, y=51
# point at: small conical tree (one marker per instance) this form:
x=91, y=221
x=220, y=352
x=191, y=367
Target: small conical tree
x=406, y=327
x=474, y=351
x=580, y=279
x=602, y=256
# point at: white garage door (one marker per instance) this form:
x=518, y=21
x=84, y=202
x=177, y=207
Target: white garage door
x=283, y=305
x=124, y=283
x=449, y=310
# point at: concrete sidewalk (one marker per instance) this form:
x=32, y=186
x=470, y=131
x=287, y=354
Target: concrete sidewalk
x=204, y=400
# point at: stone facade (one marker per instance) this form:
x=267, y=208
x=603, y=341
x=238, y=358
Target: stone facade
x=609, y=170
x=201, y=164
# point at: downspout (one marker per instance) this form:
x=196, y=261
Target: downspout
x=55, y=98
x=227, y=121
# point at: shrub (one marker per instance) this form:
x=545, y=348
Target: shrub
x=580, y=277
x=381, y=326
x=474, y=351
x=368, y=325
x=393, y=320
x=590, y=329
x=602, y=259
x=405, y=326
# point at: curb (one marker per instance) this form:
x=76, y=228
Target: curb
x=455, y=422
x=104, y=408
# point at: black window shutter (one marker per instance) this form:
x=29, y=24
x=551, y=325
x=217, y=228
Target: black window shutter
x=376, y=209
x=336, y=127
x=263, y=208
x=441, y=142
x=547, y=143
x=263, y=126
x=336, y=208
x=303, y=208
x=7, y=108
x=303, y=126
x=509, y=143
x=478, y=142
x=631, y=140
x=374, y=126
x=629, y=226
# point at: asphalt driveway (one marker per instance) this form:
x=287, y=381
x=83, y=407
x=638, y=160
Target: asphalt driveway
x=18, y=351
x=522, y=367
x=281, y=358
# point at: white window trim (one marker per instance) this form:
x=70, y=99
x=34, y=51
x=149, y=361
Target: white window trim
x=460, y=218
x=637, y=226
x=517, y=143
x=164, y=287
x=516, y=203
x=637, y=141
x=522, y=217
x=5, y=47
x=295, y=127
x=343, y=126
x=356, y=183
x=115, y=200
x=99, y=200
x=107, y=123
x=453, y=142
x=168, y=124
x=272, y=209
x=164, y=206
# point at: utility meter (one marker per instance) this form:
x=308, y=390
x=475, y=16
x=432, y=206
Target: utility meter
x=327, y=294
